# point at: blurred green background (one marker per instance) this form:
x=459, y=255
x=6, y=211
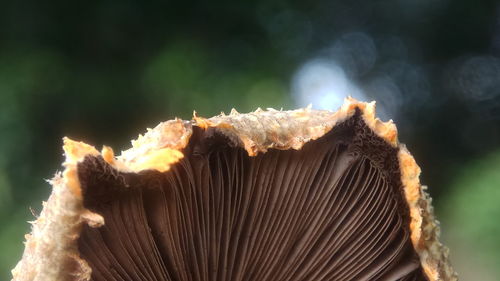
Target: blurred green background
x=103, y=71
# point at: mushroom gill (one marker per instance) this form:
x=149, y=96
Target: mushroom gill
x=239, y=207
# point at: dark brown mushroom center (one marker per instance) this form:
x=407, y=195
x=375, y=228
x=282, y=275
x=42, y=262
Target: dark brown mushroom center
x=334, y=210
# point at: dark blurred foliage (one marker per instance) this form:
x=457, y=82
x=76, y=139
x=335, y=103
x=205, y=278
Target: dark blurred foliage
x=102, y=71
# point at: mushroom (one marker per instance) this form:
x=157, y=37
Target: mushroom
x=268, y=195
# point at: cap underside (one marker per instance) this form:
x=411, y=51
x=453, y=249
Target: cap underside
x=333, y=210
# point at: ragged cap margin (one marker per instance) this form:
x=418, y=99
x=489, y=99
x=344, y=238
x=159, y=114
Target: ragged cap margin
x=51, y=250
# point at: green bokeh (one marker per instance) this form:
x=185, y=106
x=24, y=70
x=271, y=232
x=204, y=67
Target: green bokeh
x=472, y=215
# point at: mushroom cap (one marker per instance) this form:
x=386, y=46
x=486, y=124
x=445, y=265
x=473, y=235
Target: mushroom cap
x=52, y=252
